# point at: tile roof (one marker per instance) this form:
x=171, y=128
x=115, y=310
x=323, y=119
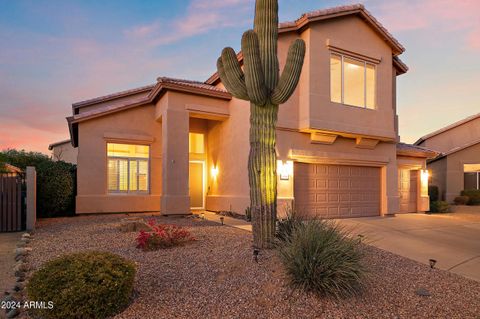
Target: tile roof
x=190, y=83
x=113, y=96
x=338, y=11
x=446, y=128
x=415, y=151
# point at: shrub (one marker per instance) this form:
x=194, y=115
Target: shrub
x=285, y=226
x=162, y=236
x=433, y=193
x=439, y=207
x=55, y=191
x=83, y=285
x=319, y=257
x=461, y=200
x=55, y=181
x=473, y=196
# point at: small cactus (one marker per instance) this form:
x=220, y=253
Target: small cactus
x=260, y=83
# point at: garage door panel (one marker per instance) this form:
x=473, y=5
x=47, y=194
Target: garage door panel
x=337, y=191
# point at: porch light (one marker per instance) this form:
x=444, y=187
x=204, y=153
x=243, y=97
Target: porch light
x=285, y=169
x=424, y=182
x=432, y=263
x=214, y=172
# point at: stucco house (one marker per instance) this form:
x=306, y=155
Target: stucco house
x=458, y=166
x=64, y=151
x=180, y=145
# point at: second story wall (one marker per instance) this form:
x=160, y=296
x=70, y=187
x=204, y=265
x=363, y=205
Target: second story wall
x=311, y=108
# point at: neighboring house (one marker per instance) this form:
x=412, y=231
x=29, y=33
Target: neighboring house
x=10, y=169
x=179, y=145
x=64, y=151
x=458, y=166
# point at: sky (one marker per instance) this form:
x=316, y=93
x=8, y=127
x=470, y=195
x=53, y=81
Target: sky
x=54, y=53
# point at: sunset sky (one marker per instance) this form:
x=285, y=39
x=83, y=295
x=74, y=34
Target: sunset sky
x=55, y=53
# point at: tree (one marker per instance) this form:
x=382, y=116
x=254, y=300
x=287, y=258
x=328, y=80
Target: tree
x=261, y=84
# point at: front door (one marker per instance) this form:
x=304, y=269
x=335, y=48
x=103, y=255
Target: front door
x=196, y=184
x=407, y=189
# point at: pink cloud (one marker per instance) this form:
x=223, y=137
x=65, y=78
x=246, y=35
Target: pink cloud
x=201, y=17
x=454, y=16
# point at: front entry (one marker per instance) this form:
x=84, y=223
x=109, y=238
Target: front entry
x=407, y=189
x=196, y=184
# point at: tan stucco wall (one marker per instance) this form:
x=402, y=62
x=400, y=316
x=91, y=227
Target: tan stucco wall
x=132, y=126
x=438, y=176
x=65, y=152
x=456, y=137
x=454, y=172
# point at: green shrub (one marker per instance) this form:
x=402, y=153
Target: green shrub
x=55, y=181
x=439, y=207
x=461, y=200
x=473, y=196
x=433, y=193
x=285, y=226
x=319, y=257
x=55, y=191
x=83, y=285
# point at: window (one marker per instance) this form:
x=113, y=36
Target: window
x=196, y=143
x=352, y=81
x=128, y=170
x=471, y=178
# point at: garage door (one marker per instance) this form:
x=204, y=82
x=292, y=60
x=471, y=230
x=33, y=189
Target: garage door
x=337, y=191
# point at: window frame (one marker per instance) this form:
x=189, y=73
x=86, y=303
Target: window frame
x=342, y=79
x=129, y=159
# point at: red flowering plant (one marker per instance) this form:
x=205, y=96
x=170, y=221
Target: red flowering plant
x=162, y=236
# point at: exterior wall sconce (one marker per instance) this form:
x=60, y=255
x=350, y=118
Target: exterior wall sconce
x=284, y=169
x=424, y=175
x=214, y=172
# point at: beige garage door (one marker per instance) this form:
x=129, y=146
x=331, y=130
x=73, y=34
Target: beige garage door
x=337, y=191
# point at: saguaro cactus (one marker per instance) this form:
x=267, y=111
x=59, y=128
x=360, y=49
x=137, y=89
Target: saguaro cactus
x=260, y=83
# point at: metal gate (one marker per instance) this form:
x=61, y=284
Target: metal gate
x=12, y=202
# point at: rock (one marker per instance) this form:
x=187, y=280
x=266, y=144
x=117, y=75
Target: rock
x=13, y=313
x=21, y=244
x=25, y=240
x=22, y=251
x=20, y=279
x=19, y=257
x=20, y=274
x=26, y=235
x=422, y=292
x=19, y=286
x=132, y=224
x=20, y=266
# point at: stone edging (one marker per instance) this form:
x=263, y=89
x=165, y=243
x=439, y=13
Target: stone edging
x=17, y=293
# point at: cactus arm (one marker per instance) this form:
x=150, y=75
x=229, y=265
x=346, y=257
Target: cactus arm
x=291, y=73
x=266, y=28
x=252, y=67
x=234, y=74
x=223, y=76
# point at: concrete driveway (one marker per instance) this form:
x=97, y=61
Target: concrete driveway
x=452, y=239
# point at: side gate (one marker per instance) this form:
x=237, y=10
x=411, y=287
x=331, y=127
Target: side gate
x=12, y=202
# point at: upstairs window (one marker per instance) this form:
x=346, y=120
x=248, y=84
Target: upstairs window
x=352, y=81
x=128, y=168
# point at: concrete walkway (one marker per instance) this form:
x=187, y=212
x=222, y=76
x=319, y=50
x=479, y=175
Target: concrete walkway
x=8, y=243
x=229, y=221
x=453, y=242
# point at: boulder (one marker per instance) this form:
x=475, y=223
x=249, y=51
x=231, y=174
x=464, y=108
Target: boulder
x=132, y=224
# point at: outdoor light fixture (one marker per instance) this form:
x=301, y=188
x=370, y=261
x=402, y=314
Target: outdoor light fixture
x=255, y=254
x=285, y=169
x=424, y=182
x=432, y=263
x=221, y=219
x=202, y=216
x=214, y=172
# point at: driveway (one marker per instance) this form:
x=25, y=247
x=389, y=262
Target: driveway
x=451, y=239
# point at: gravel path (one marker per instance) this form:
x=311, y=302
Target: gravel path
x=215, y=277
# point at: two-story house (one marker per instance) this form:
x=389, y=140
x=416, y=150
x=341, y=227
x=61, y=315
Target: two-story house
x=179, y=145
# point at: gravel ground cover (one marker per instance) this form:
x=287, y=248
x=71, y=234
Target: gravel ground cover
x=216, y=277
